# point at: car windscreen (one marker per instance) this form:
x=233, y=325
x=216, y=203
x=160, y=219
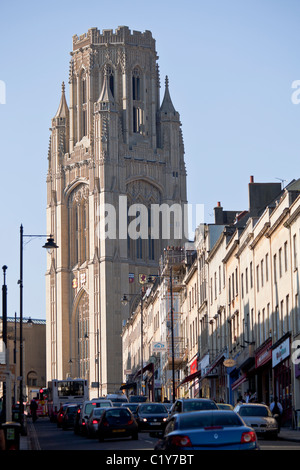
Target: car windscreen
x=98, y=411
x=260, y=411
x=206, y=420
x=199, y=405
x=151, y=409
x=118, y=413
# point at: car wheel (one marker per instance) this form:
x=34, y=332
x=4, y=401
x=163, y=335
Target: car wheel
x=100, y=438
x=135, y=436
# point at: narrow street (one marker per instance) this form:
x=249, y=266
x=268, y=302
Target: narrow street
x=50, y=437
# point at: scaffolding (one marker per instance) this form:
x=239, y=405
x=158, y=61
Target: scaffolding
x=172, y=270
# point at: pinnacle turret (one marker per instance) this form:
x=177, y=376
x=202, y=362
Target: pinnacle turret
x=167, y=105
x=63, y=110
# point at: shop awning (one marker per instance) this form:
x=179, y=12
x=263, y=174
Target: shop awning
x=190, y=377
x=217, y=362
x=239, y=381
x=149, y=367
x=128, y=386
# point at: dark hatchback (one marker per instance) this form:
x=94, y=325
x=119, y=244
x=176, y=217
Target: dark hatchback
x=117, y=422
x=69, y=417
x=152, y=417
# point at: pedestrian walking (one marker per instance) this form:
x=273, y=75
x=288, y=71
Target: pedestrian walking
x=277, y=410
x=240, y=399
x=33, y=409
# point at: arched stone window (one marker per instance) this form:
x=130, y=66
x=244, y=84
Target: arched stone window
x=82, y=324
x=137, y=111
x=145, y=247
x=83, y=103
x=111, y=77
x=78, y=211
x=32, y=379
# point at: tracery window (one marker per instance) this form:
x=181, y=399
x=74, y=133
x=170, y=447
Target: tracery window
x=137, y=112
x=78, y=226
x=83, y=92
x=111, y=77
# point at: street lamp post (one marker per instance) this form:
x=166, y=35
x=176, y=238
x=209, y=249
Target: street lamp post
x=4, y=335
x=172, y=335
x=150, y=281
x=97, y=360
x=49, y=245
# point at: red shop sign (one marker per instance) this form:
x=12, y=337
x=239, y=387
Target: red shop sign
x=264, y=355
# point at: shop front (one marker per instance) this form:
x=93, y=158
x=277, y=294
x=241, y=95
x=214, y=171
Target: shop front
x=263, y=371
x=213, y=383
x=282, y=388
x=190, y=383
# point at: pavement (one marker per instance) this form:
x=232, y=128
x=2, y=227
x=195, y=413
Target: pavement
x=31, y=442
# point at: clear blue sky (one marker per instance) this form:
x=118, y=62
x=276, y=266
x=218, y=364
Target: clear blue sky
x=230, y=63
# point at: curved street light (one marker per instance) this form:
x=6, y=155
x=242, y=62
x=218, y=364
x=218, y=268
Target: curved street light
x=50, y=245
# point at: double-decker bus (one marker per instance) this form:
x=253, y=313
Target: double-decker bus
x=61, y=392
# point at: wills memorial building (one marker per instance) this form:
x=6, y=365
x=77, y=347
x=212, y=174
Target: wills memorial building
x=115, y=149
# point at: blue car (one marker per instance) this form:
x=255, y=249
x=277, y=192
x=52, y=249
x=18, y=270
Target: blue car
x=210, y=430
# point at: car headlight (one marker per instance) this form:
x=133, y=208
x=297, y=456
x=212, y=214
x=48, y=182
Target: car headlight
x=145, y=420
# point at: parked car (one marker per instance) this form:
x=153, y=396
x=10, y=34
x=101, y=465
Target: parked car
x=117, y=422
x=225, y=406
x=259, y=417
x=132, y=407
x=68, y=419
x=152, y=417
x=117, y=398
x=93, y=421
x=207, y=430
x=183, y=405
x=87, y=408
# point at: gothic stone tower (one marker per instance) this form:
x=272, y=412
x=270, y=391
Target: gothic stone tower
x=115, y=140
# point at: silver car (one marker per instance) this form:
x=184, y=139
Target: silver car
x=259, y=417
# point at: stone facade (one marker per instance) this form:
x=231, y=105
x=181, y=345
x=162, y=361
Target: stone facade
x=239, y=301
x=115, y=145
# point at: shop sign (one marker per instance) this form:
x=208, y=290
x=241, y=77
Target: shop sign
x=264, y=356
x=159, y=346
x=281, y=353
x=194, y=366
x=229, y=362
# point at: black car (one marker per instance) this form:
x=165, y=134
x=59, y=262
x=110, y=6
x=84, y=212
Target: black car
x=132, y=407
x=138, y=398
x=117, y=422
x=69, y=417
x=183, y=405
x=152, y=417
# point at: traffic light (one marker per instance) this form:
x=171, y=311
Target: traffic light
x=41, y=394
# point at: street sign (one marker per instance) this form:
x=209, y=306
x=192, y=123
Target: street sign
x=159, y=346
